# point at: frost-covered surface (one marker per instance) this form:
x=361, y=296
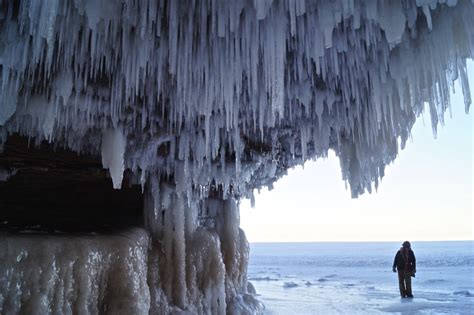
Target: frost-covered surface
x=45, y=274
x=204, y=99
x=128, y=272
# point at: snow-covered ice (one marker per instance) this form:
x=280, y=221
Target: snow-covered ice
x=356, y=278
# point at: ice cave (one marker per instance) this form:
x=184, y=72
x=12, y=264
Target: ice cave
x=130, y=130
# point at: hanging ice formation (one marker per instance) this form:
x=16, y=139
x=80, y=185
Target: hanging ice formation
x=204, y=101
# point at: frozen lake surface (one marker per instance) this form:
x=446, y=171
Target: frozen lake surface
x=357, y=278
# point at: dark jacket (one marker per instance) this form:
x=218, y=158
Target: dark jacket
x=405, y=259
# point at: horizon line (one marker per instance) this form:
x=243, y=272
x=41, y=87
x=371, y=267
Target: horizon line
x=361, y=241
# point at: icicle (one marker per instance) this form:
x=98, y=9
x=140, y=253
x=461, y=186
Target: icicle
x=113, y=151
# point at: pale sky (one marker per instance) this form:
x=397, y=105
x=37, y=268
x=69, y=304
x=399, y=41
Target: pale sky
x=426, y=194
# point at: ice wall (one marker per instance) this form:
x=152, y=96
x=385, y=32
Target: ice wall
x=44, y=274
x=181, y=269
x=205, y=101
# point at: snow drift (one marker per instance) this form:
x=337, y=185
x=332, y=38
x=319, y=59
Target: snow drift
x=204, y=101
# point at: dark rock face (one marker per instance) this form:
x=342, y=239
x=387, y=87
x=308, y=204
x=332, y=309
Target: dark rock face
x=52, y=189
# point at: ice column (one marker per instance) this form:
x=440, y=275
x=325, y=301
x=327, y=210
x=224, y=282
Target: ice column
x=201, y=255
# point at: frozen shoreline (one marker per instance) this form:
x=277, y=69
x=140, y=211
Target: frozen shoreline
x=333, y=280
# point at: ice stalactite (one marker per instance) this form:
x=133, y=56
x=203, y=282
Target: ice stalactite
x=201, y=102
x=113, y=150
x=204, y=81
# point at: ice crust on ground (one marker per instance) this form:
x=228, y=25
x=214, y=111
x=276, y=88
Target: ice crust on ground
x=443, y=284
x=205, y=101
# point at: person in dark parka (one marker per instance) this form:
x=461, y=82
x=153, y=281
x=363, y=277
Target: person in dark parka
x=405, y=263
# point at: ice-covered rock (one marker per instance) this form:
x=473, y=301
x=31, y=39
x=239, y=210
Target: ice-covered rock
x=89, y=274
x=202, y=102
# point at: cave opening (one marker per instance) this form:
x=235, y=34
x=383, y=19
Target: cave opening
x=48, y=189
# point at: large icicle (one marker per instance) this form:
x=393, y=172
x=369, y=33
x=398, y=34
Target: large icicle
x=113, y=150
